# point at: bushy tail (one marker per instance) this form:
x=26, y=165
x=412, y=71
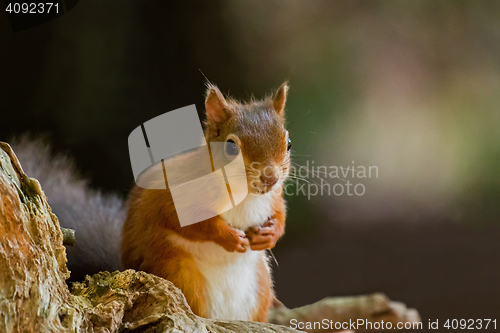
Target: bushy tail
x=97, y=218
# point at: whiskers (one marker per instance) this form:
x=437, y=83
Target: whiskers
x=295, y=173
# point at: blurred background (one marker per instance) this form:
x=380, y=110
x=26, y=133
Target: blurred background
x=412, y=88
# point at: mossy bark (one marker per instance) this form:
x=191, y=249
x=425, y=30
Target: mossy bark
x=34, y=296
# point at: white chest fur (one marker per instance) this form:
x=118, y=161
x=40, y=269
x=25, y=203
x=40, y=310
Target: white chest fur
x=252, y=211
x=231, y=277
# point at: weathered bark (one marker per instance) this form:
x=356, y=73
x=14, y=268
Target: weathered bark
x=374, y=308
x=68, y=236
x=35, y=298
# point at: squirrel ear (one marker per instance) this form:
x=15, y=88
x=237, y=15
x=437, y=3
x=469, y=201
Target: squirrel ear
x=216, y=105
x=279, y=99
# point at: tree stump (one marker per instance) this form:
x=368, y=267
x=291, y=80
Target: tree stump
x=34, y=296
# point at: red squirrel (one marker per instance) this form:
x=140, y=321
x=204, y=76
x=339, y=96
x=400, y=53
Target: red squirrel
x=220, y=263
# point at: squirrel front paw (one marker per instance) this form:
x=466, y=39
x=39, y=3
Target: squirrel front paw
x=236, y=241
x=264, y=237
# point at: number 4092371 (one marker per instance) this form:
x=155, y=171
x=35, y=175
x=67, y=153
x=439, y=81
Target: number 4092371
x=32, y=8
x=470, y=324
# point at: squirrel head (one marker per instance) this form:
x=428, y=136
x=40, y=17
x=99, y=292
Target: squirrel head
x=258, y=129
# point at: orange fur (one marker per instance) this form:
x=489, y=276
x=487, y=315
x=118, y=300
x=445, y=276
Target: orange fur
x=151, y=219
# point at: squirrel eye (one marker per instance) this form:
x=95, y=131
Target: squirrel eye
x=289, y=144
x=232, y=148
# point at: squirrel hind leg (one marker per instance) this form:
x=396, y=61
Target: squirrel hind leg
x=180, y=268
x=266, y=292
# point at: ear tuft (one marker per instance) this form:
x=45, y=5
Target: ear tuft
x=216, y=105
x=279, y=99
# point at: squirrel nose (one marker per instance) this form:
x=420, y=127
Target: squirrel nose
x=269, y=180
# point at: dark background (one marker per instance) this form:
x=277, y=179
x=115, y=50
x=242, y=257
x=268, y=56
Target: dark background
x=412, y=88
